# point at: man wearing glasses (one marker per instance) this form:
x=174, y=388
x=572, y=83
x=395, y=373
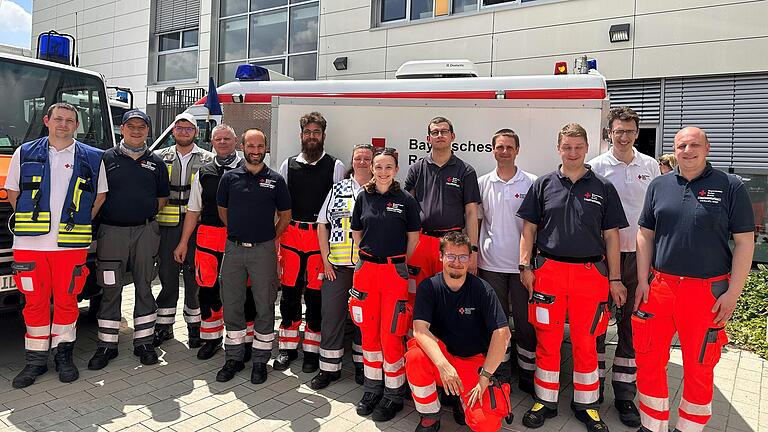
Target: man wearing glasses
x=446, y=188
x=182, y=161
x=460, y=337
x=310, y=175
x=630, y=172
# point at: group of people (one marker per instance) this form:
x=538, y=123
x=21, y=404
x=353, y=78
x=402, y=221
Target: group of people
x=428, y=272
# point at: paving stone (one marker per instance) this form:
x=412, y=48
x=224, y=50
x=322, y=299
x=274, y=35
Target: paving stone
x=198, y=422
x=235, y=422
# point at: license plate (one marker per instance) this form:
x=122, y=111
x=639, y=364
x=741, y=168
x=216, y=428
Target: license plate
x=7, y=283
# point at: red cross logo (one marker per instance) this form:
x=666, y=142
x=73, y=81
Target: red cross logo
x=702, y=193
x=517, y=195
x=587, y=195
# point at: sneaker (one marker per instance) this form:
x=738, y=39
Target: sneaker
x=62, y=358
x=194, y=340
x=324, y=379
x=101, y=358
x=284, y=359
x=628, y=413
x=259, y=373
x=591, y=419
x=537, y=415
x=428, y=424
x=231, y=367
x=386, y=410
x=146, y=354
x=208, y=349
x=162, y=334
x=359, y=375
x=311, y=362
x=367, y=403
x=27, y=376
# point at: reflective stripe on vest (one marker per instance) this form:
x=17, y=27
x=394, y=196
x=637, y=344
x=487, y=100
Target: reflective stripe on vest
x=343, y=250
x=170, y=214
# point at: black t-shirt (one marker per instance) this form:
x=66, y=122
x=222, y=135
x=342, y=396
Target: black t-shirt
x=134, y=187
x=693, y=221
x=463, y=320
x=385, y=220
x=251, y=201
x=571, y=217
x=443, y=191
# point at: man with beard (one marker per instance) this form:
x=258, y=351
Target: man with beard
x=460, y=338
x=209, y=251
x=310, y=175
x=183, y=161
x=248, y=198
x=129, y=233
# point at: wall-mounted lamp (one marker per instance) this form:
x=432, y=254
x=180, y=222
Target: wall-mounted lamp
x=340, y=63
x=619, y=33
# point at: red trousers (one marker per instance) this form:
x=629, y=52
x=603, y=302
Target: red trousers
x=301, y=272
x=424, y=378
x=424, y=263
x=682, y=305
x=581, y=292
x=40, y=275
x=378, y=307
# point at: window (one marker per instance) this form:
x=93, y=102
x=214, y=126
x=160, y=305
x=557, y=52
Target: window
x=281, y=35
x=177, y=56
x=413, y=10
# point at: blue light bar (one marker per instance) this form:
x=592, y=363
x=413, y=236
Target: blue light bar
x=592, y=64
x=122, y=96
x=249, y=72
x=54, y=48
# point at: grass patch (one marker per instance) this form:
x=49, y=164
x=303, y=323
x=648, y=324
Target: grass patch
x=747, y=327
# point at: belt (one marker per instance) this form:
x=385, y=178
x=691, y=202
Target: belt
x=439, y=233
x=306, y=226
x=383, y=260
x=573, y=260
x=128, y=224
x=239, y=243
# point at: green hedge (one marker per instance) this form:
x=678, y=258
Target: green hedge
x=747, y=327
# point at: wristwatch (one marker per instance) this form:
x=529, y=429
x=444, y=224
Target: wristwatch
x=522, y=267
x=473, y=248
x=485, y=373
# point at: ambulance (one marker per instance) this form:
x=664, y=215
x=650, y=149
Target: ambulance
x=395, y=112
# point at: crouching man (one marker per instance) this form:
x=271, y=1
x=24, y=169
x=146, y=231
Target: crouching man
x=460, y=337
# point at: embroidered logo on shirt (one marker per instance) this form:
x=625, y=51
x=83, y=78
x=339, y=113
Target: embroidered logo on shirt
x=520, y=195
x=710, y=196
x=643, y=177
x=593, y=198
x=453, y=181
x=148, y=165
x=267, y=183
x=68, y=166
x=466, y=310
x=394, y=207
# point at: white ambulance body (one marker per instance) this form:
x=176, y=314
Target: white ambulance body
x=395, y=113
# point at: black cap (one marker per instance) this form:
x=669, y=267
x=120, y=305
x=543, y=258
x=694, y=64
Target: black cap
x=135, y=113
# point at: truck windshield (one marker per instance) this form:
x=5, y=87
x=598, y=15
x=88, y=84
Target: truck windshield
x=28, y=89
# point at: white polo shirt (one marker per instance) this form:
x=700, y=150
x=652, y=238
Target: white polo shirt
x=631, y=181
x=61, y=172
x=499, y=248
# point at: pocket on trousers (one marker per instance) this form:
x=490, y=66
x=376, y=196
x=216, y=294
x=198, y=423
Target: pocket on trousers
x=79, y=276
x=712, y=346
x=108, y=273
x=540, y=310
x=206, y=269
x=642, y=331
x=600, y=320
x=402, y=270
x=402, y=317
x=356, y=306
x=24, y=276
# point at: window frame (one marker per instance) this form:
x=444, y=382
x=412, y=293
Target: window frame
x=377, y=6
x=180, y=49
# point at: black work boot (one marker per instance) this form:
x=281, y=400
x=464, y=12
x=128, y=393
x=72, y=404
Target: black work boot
x=101, y=358
x=36, y=366
x=324, y=379
x=284, y=359
x=386, y=410
x=208, y=349
x=146, y=354
x=537, y=415
x=162, y=334
x=62, y=358
x=258, y=373
x=628, y=413
x=591, y=419
x=368, y=403
x=311, y=362
x=231, y=367
x=194, y=337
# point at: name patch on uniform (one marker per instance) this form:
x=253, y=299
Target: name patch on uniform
x=453, y=181
x=148, y=165
x=643, y=177
x=466, y=310
x=593, y=198
x=710, y=196
x=267, y=183
x=395, y=207
x=520, y=195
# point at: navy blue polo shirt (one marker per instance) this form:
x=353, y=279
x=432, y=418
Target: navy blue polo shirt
x=384, y=220
x=251, y=201
x=443, y=191
x=571, y=217
x=134, y=187
x=463, y=320
x=693, y=221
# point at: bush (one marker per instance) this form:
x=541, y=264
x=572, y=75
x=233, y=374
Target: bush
x=747, y=327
